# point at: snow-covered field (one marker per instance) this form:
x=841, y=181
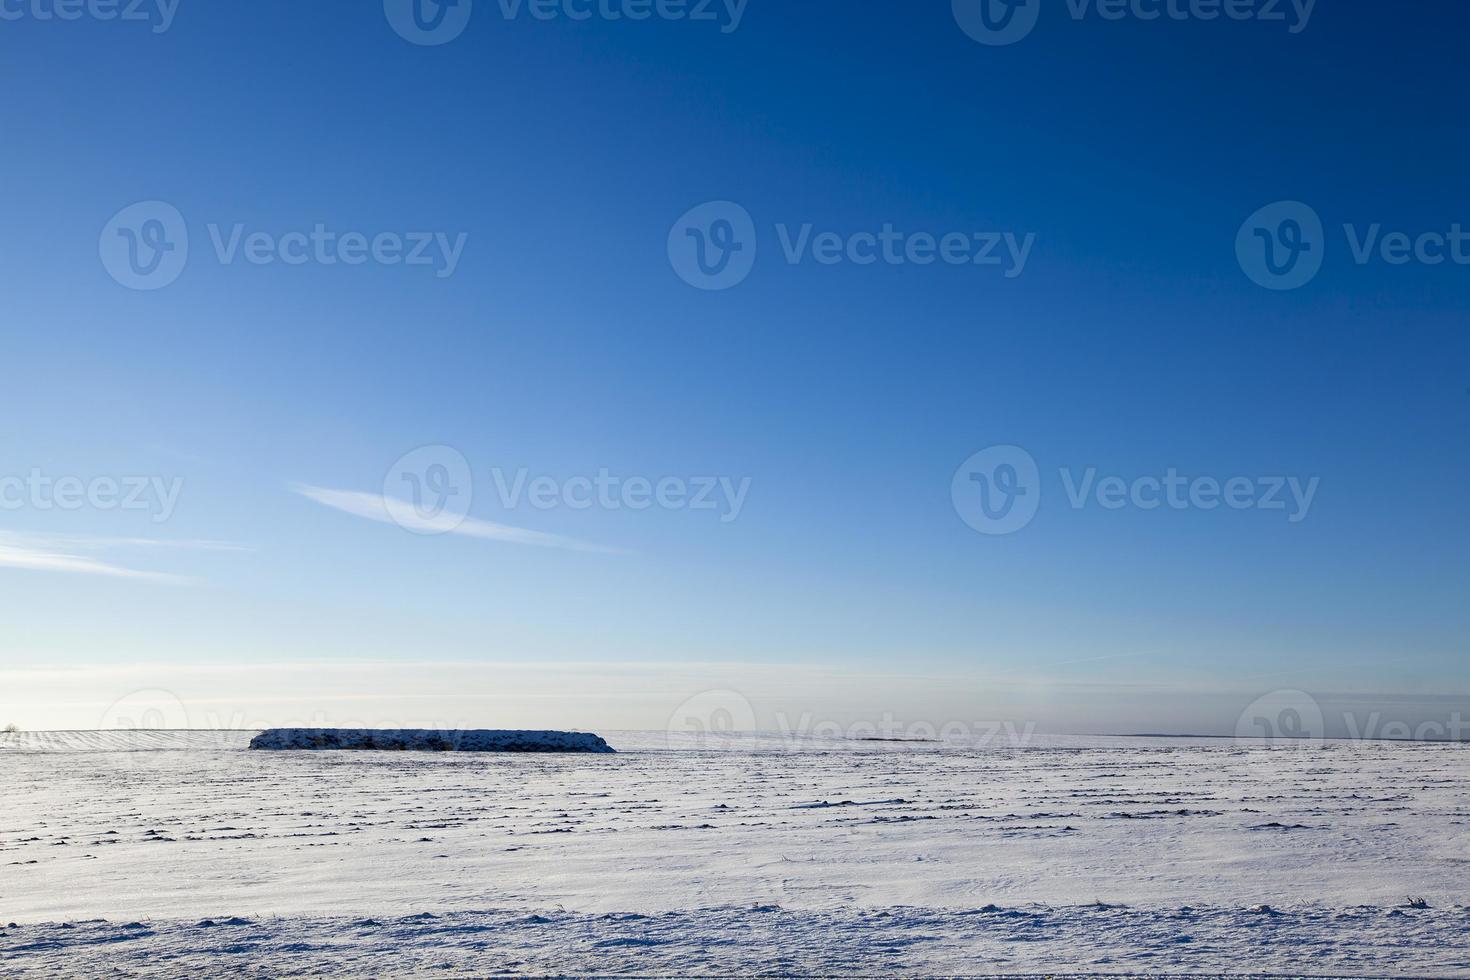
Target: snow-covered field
x=740, y=855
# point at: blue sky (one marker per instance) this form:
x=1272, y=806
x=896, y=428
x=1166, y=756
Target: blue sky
x=843, y=396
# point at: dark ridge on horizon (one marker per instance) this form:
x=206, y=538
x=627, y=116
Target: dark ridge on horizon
x=1290, y=738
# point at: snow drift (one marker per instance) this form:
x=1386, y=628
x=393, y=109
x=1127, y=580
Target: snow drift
x=427, y=740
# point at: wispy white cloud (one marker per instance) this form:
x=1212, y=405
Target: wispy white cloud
x=387, y=510
x=42, y=554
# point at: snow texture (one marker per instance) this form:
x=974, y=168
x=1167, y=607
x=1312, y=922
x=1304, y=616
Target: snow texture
x=426, y=740
x=756, y=941
x=733, y=855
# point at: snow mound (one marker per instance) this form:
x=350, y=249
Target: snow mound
x=427, y=740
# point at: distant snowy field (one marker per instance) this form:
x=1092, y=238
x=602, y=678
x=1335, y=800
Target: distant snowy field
x=184, y=854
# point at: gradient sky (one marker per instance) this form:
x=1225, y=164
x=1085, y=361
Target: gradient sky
x=564, y=343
